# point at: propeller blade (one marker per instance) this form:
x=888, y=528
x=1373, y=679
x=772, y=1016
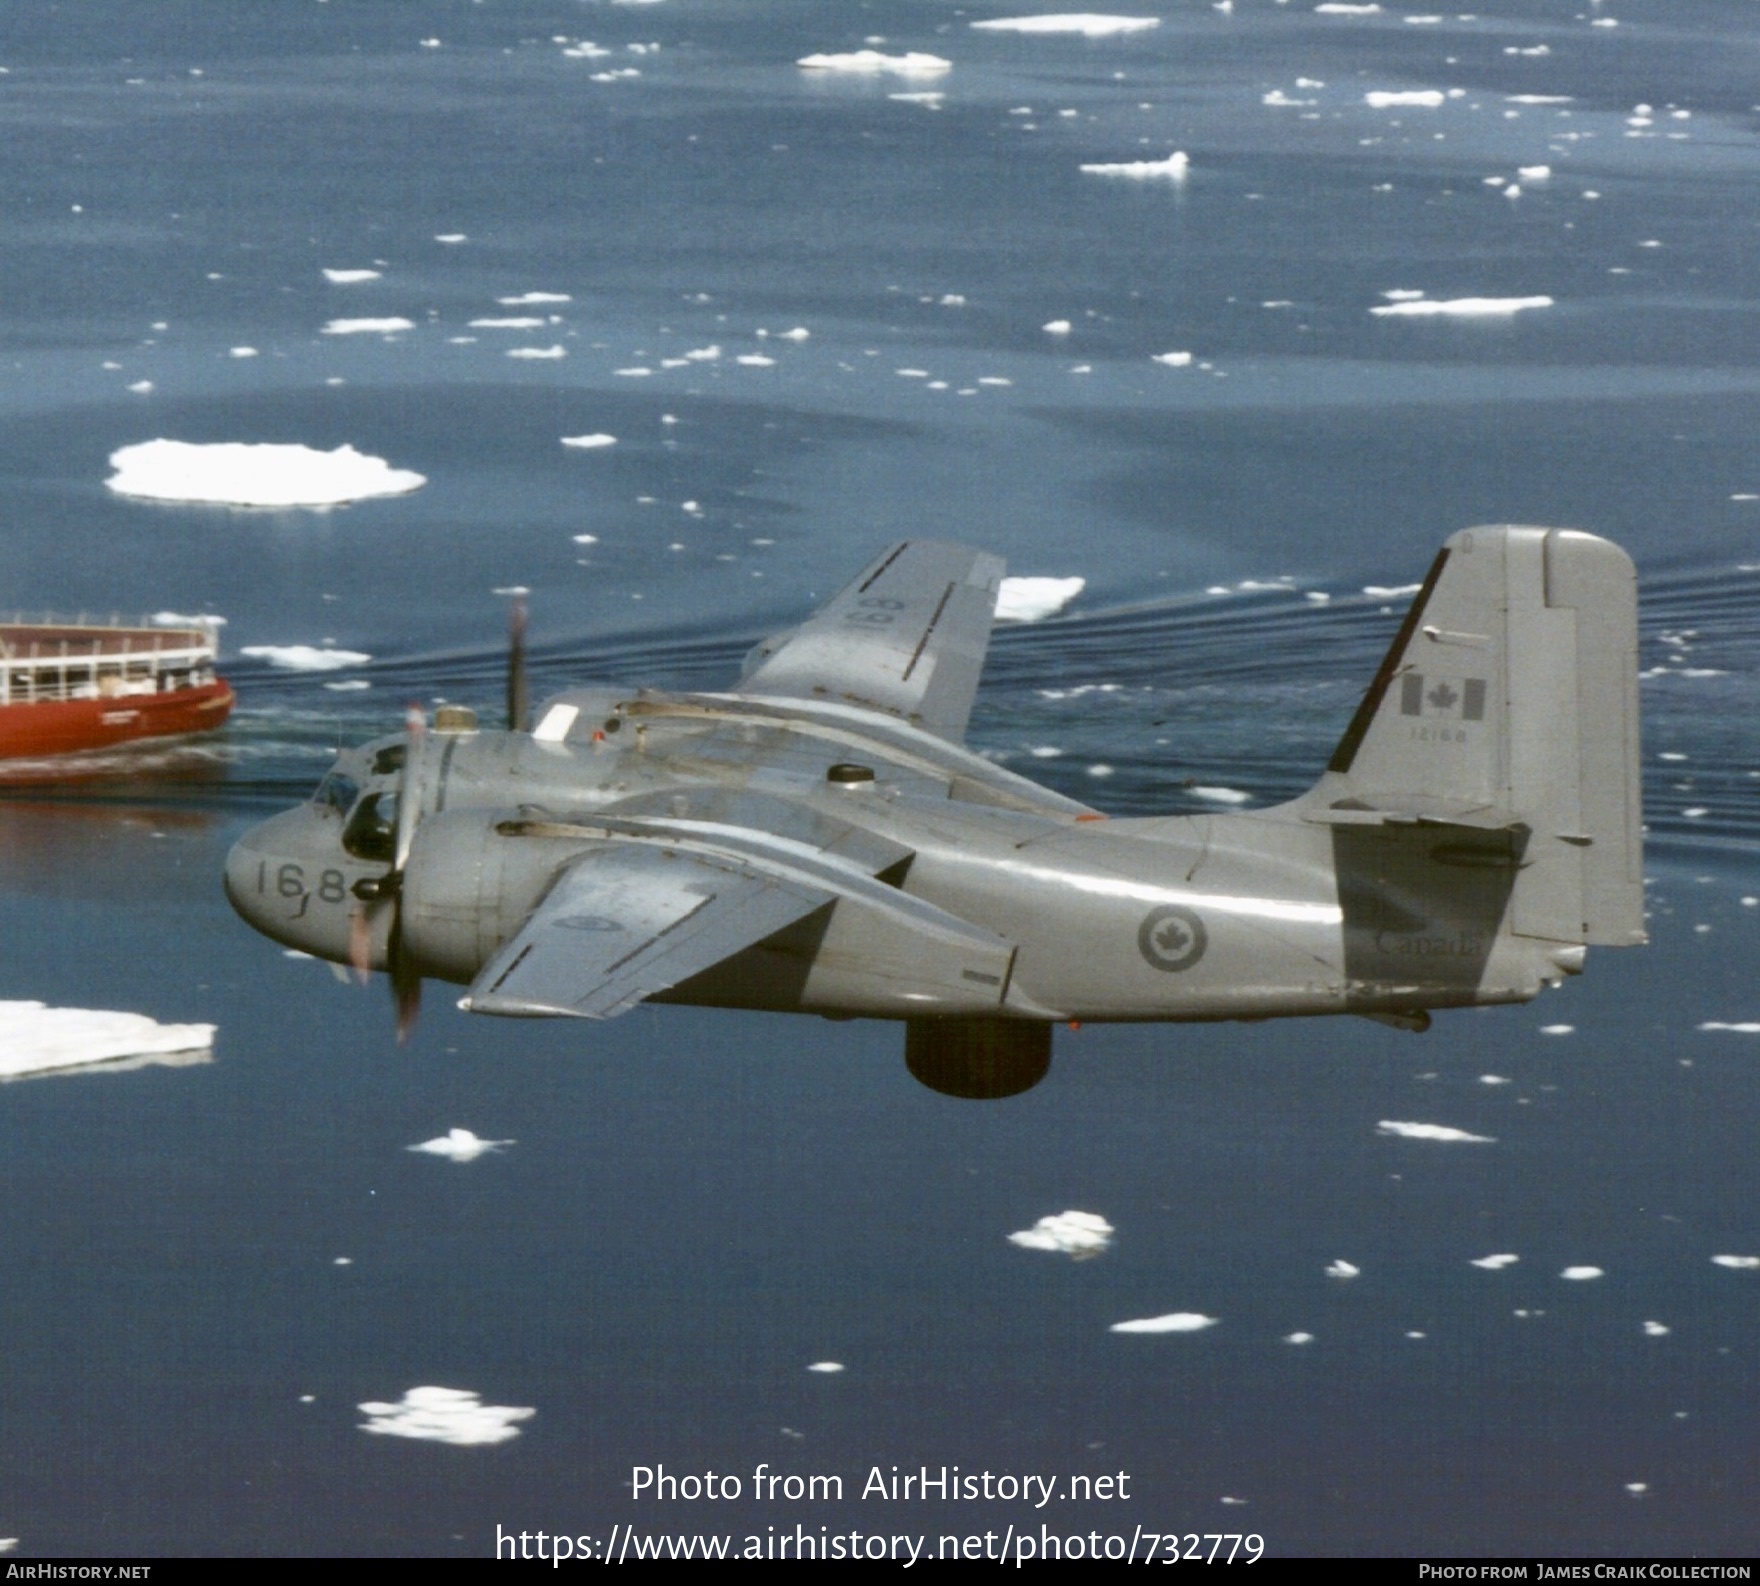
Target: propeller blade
x=518, y=701
x=360, y=943
x=409, y=792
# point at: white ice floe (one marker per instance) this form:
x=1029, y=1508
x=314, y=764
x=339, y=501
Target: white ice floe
x=444, y=1415
x=1173, y=1322
x=1390, y=591
x=1030, y=599
x=1496, y=1263
x=1173, y=360
x=241, y=352
x=460, y=1145
x=1534, y=173
x=1432, y=1131
x=1581, y=1274
x=184, y=619
x=350, y=277
x=451, y=238
x=510, y=322
x=367, y=327
x=827, y=1368
x=553, y=351
x=1090, y=24
x=305, y=657
x=1737, y=1263
x=1055, y=327
x=929, y=98
x=140, y=387
x=1298, y=1338
x=755, y=360
x=1657, y=1330
x=534, y=297
x=913, y=64
x=589, y=442
x=1221, y=795
x=237, y=473
x=35, y=1039
x=1416, y=98
x=1460, y=307
x=1069, y=1233
x=1558, y=1029
x=1337, y=8
x=1343, y=1271
x=1748, y=1028
x=1174, y=167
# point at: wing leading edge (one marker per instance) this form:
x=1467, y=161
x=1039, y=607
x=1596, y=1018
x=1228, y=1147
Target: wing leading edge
x=907, y=637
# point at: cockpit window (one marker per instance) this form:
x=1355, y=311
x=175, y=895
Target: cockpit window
x=371, y=832
x=337, y=792
x=389, y=759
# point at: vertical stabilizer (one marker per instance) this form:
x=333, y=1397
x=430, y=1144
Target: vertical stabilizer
x=1509, y=700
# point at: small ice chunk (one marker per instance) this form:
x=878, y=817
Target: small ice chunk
x=305, y=657
x=755, y=360
x=1390, y=591
x=1069, y=1233
x=1496, y=1263
x=350, y=277
x=1738, y=1263
x=460, y=1145
x=1657, y=1330
x=451, y=237
x=241, y=352
x=445, y=1415
x=1462, y=307
x=1343, y=1271
x=827, y=1368
x=1031, y=599
x=141, y=387
x=1581, y=1274
x=634, y=372
x=1173, y=1322
x=1089, y=24
x=1493, y=1079
x=1055, y=327
x=1173, y=167
x=36, y=1039
x=555, y=350
x=913, y=64
x=367, y=327
x=236, y=473
x=1298, y=1338
x=1418, y=98
x=1534, y=173
x=1173, y=360
x=510, y=322
x=589, y=442
x=1432, y=1131
x=1734, y=1029
x=1337, y=8
x=525, y=298
x=1221, y=795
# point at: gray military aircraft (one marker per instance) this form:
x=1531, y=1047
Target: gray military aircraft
x=819, y=840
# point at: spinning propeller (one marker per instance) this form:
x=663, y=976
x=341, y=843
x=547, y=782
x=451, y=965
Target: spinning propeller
x=386, y=891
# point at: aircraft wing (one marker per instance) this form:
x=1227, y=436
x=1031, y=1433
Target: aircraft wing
x=627, y=920
x=907, y=637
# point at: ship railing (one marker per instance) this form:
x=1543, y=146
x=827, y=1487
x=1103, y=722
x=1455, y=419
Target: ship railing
x=78, y=665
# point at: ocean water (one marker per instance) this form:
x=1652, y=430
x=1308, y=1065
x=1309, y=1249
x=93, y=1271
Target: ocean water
x=209, y=1268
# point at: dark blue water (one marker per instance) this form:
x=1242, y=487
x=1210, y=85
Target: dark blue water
x=699, y=1205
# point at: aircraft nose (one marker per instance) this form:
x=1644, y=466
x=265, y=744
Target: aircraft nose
x=275, y=874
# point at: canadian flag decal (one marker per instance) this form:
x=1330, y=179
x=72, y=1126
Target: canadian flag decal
x=1418, y=697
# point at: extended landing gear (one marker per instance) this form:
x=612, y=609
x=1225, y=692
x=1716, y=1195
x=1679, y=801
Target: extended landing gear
x=979, y=1059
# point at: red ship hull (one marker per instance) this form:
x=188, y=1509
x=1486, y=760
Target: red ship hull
x=70, y=725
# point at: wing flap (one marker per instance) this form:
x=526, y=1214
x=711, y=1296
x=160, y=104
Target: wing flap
x=907, y=637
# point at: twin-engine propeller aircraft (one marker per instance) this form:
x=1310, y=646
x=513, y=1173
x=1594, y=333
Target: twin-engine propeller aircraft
x=819, y=840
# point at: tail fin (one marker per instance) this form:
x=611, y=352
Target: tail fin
x=1510, y=700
